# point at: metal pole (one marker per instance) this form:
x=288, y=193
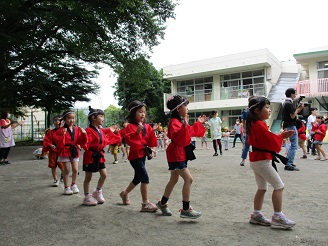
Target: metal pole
x=32, y=125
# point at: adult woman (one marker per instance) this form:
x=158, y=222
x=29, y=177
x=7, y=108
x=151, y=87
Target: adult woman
x=215, y=125
x=6, y=136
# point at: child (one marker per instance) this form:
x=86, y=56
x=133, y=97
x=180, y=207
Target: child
x=238, y=130
x=166, y=138
x=114, y=146
x=204, y=141
x=93, y=157
x=39, y=154
x=319, y=130
x=124, y=146
x=301, y=130
x=265, y=145
x=226, y=138
x=140, y=136
x=160, y=138
x=67, y=139
x=50, y=146
x=180, y=132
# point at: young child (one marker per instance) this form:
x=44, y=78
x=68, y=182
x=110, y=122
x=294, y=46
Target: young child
x=124, y=146
x=166, y=138
x=226, y=138
x=203, y=141
x=238, y=130
x=140, y=136
x=67, y=140
x=319, y=130
x=265, y=145
x=49, y=146
x=114, y=146
x=180, y=132
x=93, y=157
x=301, y=130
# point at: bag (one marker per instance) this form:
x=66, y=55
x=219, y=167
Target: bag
x=149, y=153
x=190, y=152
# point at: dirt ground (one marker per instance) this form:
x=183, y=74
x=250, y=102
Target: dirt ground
x=34, y=213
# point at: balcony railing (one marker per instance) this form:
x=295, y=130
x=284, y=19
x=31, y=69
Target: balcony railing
x=312, y=88
x=234, y=92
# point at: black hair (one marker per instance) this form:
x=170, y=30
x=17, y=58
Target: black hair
x=133, y=108
x=289, y=92
x=65, y=113
x=56, y=117
x=254, y=103
x=213, y=112
x=320, y=117
x=312, y=109
x=93, y=113
x=172, y=104
x=4, y=114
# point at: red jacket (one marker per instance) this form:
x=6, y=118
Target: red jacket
x=319, y=136
x=302, y=132
x=261, y=138
x=137, y=142
x=49, y=139
x=94, y=146
x=65, y=144
x=122, y=133
x=180, y=138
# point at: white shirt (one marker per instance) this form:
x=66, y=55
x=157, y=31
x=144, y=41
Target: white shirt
x=215, y=126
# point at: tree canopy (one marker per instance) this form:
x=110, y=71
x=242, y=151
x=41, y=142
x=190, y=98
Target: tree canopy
x=46, y=45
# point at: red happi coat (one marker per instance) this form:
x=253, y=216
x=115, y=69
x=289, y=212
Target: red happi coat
x=65, y=142
x=137, y=142
x=261, y=138
x=122, y=133
x=180, y=138
x=49, y=139
x=302, y=132
x=95, y=146
x=322, y=128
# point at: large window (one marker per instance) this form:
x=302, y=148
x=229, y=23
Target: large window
x=196, y=90
x=322, y=69
x=232, y=116
x=242, y=84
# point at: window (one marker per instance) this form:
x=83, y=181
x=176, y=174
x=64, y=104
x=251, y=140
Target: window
x=322, y=69
x=196, y=90
x=243, y=84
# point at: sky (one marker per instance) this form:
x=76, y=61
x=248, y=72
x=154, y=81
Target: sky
x=212, y=28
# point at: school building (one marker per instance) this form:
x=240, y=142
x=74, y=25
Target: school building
x=225, y=83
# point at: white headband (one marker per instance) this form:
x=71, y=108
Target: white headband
x=92, y=113
x=177, y=106
x=70, y=112
x=136, y=106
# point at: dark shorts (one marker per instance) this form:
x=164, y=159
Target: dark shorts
x=93, y=168
x=177, y=165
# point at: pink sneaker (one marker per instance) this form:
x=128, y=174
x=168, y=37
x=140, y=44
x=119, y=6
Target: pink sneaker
x=88, y=200
x=125, y=198
x=97, y=194
x=148, y=207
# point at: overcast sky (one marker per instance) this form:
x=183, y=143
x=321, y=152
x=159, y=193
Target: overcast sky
x=211, y=28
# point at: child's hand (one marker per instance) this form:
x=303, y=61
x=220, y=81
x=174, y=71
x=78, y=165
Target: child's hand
x=156, y=126
x=82, y=130
x=202, y=119
x=287, y=134
x=186, y=119
x=139, y=127
x=64, y=131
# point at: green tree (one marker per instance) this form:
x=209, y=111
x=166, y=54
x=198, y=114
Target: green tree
x=114, y=115
x=139, y=80
x=46, y=45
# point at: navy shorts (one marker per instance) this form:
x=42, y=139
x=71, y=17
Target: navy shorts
x=92, y=168
x=178, y=165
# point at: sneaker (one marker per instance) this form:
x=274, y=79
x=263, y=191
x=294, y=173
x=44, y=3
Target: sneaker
x=304, y=157
x=190, y=214
x=221, y=153
x=281, y=221
x=215, y=154
x=115, y=162
x=259, y=219
x=324, y=159
x=56, y=183
x=242, y=163
x=164, y=209
x=125, y=198
x=68, y=191
x=291, y=168
x=97, y=194
x=88, y=200
x=7, y=162
x=148, y=207
x=75, y=189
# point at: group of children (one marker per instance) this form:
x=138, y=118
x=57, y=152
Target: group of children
x=65, y=140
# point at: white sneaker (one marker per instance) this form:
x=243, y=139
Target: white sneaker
x=97, y=194
x=75, y=189
x=89, y=200
x=56, y=183
x=68, y=191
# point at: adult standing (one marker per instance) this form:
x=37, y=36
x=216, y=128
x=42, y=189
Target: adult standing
x=289, y=116
x=6, y=136
x=216, y=134
x=310, y=122
x=238, y=130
